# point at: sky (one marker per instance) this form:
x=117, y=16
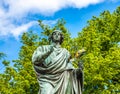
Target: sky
x=18, y=16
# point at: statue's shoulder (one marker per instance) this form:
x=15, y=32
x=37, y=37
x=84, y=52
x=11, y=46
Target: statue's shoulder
x=65, y=49
x=43, y=47
x=66, y=52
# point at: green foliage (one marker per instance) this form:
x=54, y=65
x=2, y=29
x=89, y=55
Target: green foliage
x=5, y=62
x=101, y=40
x=102, y=61
x=2, y=55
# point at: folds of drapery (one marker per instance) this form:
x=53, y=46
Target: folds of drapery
x=55, y=74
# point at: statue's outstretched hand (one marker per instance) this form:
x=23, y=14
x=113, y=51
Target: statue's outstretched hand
x=80, y=53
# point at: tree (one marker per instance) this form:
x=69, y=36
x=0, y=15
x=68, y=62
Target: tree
x=102, y=61
x=2, y=55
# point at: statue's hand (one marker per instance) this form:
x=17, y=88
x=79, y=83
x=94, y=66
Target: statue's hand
x=80, y=53
x=51, y=48
x=47, y=53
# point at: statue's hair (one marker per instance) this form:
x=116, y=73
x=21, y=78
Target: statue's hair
x=51, y=36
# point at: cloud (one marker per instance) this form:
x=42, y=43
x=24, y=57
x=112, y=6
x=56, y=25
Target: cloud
x=50, y=22
x=15, y=30
x=12, y=12
x=23, y=28
x=45, y=7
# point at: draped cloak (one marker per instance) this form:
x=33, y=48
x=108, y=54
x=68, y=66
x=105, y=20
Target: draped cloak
x=56, y=75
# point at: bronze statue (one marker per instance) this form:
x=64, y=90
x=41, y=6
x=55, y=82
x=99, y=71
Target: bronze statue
x=54, y=69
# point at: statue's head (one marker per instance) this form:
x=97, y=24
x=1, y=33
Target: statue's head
x=56, y=36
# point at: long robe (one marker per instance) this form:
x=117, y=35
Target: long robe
x=56, y=75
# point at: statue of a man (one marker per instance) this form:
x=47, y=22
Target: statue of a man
x=55, y=72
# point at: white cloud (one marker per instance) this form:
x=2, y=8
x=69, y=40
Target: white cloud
x=15, y=30
x=50, y=22
x=16, y=10
x=23, y=28
x=44, y=7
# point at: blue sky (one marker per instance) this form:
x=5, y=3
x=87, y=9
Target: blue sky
x=18, y=16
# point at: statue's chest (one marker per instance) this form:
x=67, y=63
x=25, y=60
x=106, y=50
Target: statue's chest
x=55, y=57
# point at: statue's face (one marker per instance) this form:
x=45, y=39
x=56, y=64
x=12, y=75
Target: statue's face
x=56, y=36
